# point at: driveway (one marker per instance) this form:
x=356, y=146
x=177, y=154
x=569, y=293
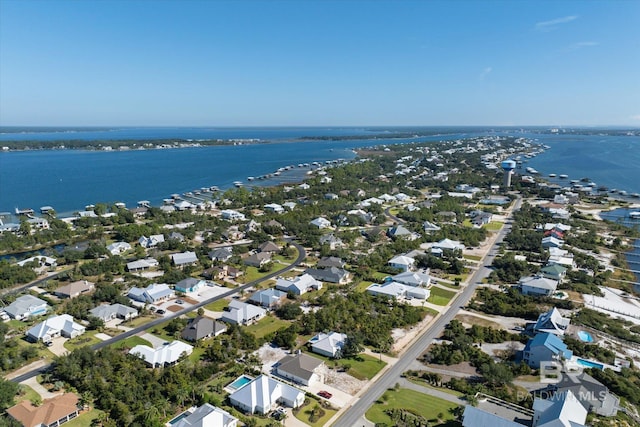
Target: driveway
x=154, y=340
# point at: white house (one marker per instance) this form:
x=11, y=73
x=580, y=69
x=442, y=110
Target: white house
x=398, y=290
x=299, y=285
x=113, y=311
x=207, y=415
x=151, y=241
x=552, y=322
x=184, y=258
x=152, y=294
x=536, y=285
x=241, y=313
x=448, y=245
x=118, y=247
x=300, y=368
x=413, y=278
x=231, y=215
x=263, y=394
x=26, y=306
x=329, y=345
x=142, y=264
x=321, y=222
x=62, y=325
x=166, y=354
x=402, y=262
x=274, y=207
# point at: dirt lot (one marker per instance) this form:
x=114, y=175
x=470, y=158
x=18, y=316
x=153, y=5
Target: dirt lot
x=174, y=308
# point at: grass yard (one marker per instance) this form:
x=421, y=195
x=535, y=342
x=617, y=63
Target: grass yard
x=440, y=296
x=425, y=384
x=252, y=274
x=138, y=321
x=493, y=226
x=362, y=286
x=26, y=393
x=427, y=406
x=219, y=305
x=363, y=368
x=266, y=326
x=131, y=342
x=306, y=413
x=85, y=419
x=88, y=338
x=472, y=257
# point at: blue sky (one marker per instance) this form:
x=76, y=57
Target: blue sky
x=288, y=63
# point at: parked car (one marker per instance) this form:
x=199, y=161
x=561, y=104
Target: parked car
x=179, y=301
x=325, y=394
x=160, y=311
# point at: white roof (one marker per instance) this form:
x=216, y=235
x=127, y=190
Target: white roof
x=184, y=258
x=564, y=409
x=207, y=415
x=412, y=278
x=475, y=417
x=264, y=392
x=449, y=244
x=302, y=283
x=395, y=290
x=330, y=343
x=402, y=260
x=240, y=312
x=168, y=353
x=539, y=282
x=54, y=325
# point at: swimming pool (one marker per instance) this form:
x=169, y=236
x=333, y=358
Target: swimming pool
x=179, y=417
x=240, y=382
x=585, y=336
x=590, y=364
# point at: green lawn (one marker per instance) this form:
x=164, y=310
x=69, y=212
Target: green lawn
x=363, y=367
x=85, y=419
x=131, y=342
x=440, y=296
x=266, y=325
x=88, y=338
x=304, y=412
x=380, y=275
x=26, y=393
x=425, y=384
x=138, y=321
x=362, y=286
x=219, y=305
x=427, y=406
x=473, y=257
x=493, y=226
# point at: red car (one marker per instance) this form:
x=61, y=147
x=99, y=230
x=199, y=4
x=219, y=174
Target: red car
x=325, y=394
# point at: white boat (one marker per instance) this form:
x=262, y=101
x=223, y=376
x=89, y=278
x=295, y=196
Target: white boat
x=563, y=176
x=250, y=178
x=552, y=175
x=634, y=215
x=237, y=183
x=635, y=195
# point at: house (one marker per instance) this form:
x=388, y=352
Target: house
x=51, y=413
x=480, y=218
x=552, y=242
x=62, y=325
x=107, y=312
x=232, y=215
x=331, y=275
x=537, y=285
x=329, y=345
x=268, y=298
x=174, y=235
x=321, y=223
x=300, y=368
x=258, y=259
x=202, y=327
x=592, y=394
x=221, y=254
x=274, y=208
x=330, y=261
x=233, y=233
x=74, y=289
x=240, y=313
x=562, y=410
x=252, y=226
x=41, y=262
x=151, y=241
x=299, y=285
x=152, y=294
x=448, y=245
x=476, y=417
x=263, y=394
x=142, y=264
x=447, y=216
x=554, y=272
x=331, y=240
x=269, y=247
x=545, y=347
x=207, y=415
x=552, y=322
x=118, y=247
x=189, y=285
x=429, y=227
x=26, y=306
x=398, y=290
x=413, y=278
x=401, y=232
x=184, y=258
x=402, y=262
x=166, y=354
x=289, y=205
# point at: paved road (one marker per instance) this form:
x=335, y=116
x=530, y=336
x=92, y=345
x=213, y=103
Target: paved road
x=302, y=254
x=355, y=412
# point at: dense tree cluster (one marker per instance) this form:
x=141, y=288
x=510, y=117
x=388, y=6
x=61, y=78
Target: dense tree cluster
x=619, y=328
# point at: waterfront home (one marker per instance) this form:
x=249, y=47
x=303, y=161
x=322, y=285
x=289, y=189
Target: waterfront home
x=183, y=205
x=300, y=368
x=107, y=312
x=151, y=241
x=398, y=290
x=402, y=262
x=331, y=275
x=241, y=313
x=118, y=247
x=202, y=327
x=189, y=285
x=221, y=254
x=263, y=394
x=321, y=223
x=258, y=259
x=231, y=215
x=74, y=289
x=206, y=415
x=537, y=285
x=165, y=355
x=268, y=298
x=39, y=262
x=545, y=347
x=298, y=285
x=62, y=325
x=184, y=258
x=154, y=293
x=26, y=306
x=51, y=412
x=142, y=264
x=552, y=322
x=329, y=345
x=269, y=247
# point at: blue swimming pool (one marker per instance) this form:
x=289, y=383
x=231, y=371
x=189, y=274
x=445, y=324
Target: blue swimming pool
x=585, y=336
x=240, y=382
x=590, y=364
x=179, y=417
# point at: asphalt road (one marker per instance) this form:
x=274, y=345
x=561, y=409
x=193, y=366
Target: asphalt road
x=355, y=412
x=302, y=254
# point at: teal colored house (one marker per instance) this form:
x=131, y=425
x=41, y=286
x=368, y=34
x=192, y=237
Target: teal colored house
x=189, y=285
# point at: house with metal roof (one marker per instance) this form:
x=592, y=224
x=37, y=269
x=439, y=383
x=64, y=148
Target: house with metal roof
x=107, y=312
x=118, y=247
x=206, y=415
x=476, y=417
x=142, y=264
x=562, y=410
x=151, y=241
x=554, y=272
x=329, y=345
x=298, y=285
x=398, y=290
x=165, y=355
x=402, y=262
x=552, y=322
x=26, y=306
x=545, y=347
x=268, y=298
x=202, y=327
x=184, y=258
x=537, y=285
x=264, y=394
x=62, y=325
x=592, y=394
x=300, y=368
x=189, y=285
x=241, y=313
x=321, y=222
x=413, y=278
x=152, y=294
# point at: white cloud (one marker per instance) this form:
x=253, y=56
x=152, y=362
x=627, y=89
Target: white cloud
x=636, y=117
x=485, y=72
x=583, y=44
x=553, y=23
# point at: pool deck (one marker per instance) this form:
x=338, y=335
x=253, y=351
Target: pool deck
x=573, y=363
